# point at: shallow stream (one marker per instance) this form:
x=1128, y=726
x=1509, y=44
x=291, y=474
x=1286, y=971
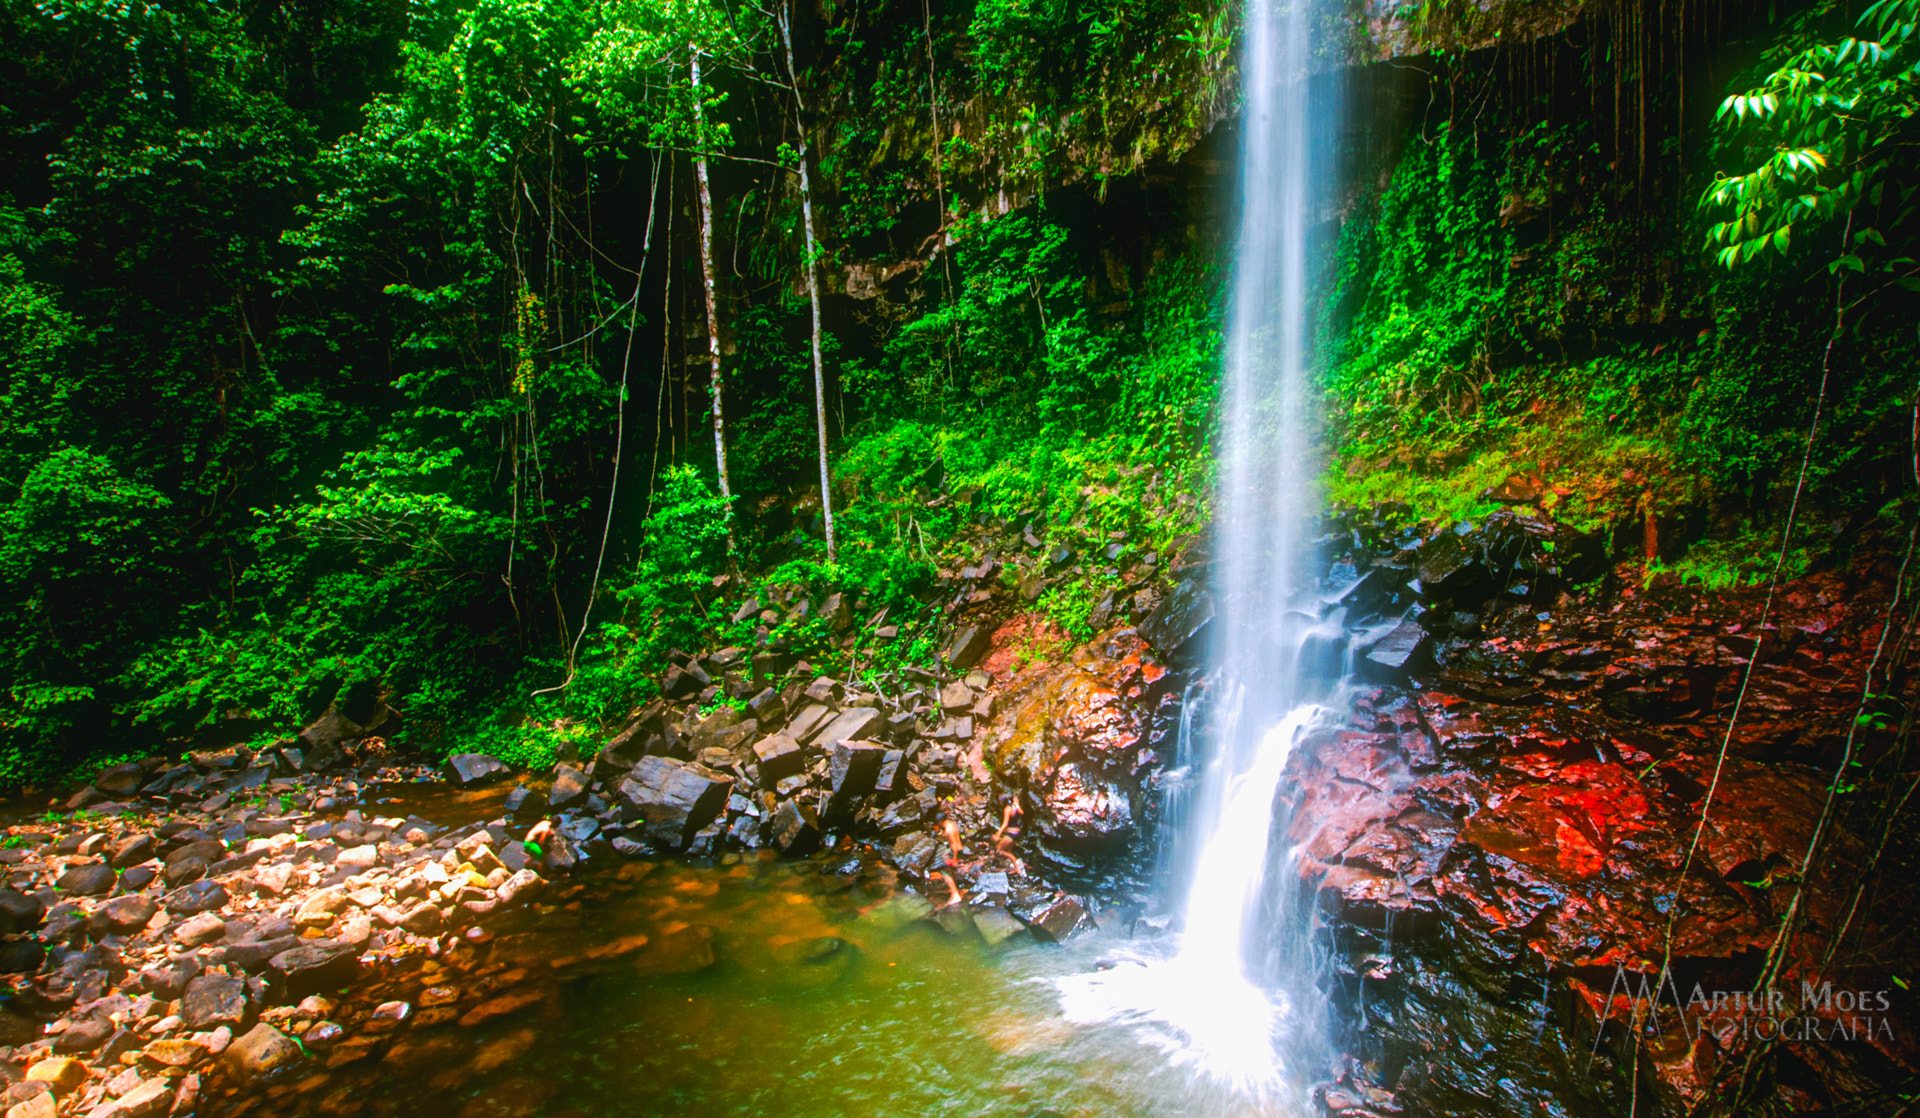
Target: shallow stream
x=747, y=986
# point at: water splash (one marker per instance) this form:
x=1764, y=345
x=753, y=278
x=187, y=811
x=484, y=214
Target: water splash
x=1202, y=1006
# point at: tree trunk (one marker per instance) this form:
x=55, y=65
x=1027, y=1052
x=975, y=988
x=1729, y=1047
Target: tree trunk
x=706, y=275
x=812, y=265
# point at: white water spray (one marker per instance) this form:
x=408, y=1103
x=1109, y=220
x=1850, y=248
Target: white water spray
x=1236, y=1001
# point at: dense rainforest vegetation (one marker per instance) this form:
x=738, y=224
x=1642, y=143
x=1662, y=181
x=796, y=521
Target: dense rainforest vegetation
x=465, y=350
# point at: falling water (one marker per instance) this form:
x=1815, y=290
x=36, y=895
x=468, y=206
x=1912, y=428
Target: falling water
x=1236, y=999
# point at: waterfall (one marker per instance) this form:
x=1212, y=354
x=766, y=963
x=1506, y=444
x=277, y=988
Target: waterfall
x=1236, y=999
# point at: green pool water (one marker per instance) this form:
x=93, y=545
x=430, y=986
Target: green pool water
x=752, y=987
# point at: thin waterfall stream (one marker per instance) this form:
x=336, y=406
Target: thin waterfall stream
x=1236, y=999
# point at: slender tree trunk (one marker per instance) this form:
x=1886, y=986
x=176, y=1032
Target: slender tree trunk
x=706, y=275
x=811, y=263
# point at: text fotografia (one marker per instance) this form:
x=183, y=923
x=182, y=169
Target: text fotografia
x=1818, y=1014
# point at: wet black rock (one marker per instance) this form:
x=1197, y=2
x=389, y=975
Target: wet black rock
x=1181, y=617
x=666, y=802
x=852, y=767
x=795, y=830
x=1055, y=920
x=1449, y=565
x=1395, y=652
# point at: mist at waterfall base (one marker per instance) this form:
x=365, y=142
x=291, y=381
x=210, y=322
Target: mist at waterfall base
x=1232, y=997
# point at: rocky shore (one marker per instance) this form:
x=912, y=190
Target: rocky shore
x=181, y=936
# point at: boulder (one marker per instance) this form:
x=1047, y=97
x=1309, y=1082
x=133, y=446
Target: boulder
x=121, y=780
x=570, y=786
x=169, y=980
x=778, y=756
x=666, y=802
x=1084, y=810
x=626, y=748
x=853, y=767
x=202, y=929
x=811, y=718
x=796, y=832
x=995, y=925
x=42, y=1105
x=685, y=682
x=465, y=769
x=766, y=707
x=149, y=1099
x=252, y=954
x=857, y=722
x=1450, y=565
x=524, y=885
x=64, y=1073
x=1056, y=920
x=1394, y=652
x=84, y=1034
x=206, y=848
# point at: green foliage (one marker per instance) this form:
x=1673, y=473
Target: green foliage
x=1071, y=604
x=1829, y=125
x=1474, y=348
